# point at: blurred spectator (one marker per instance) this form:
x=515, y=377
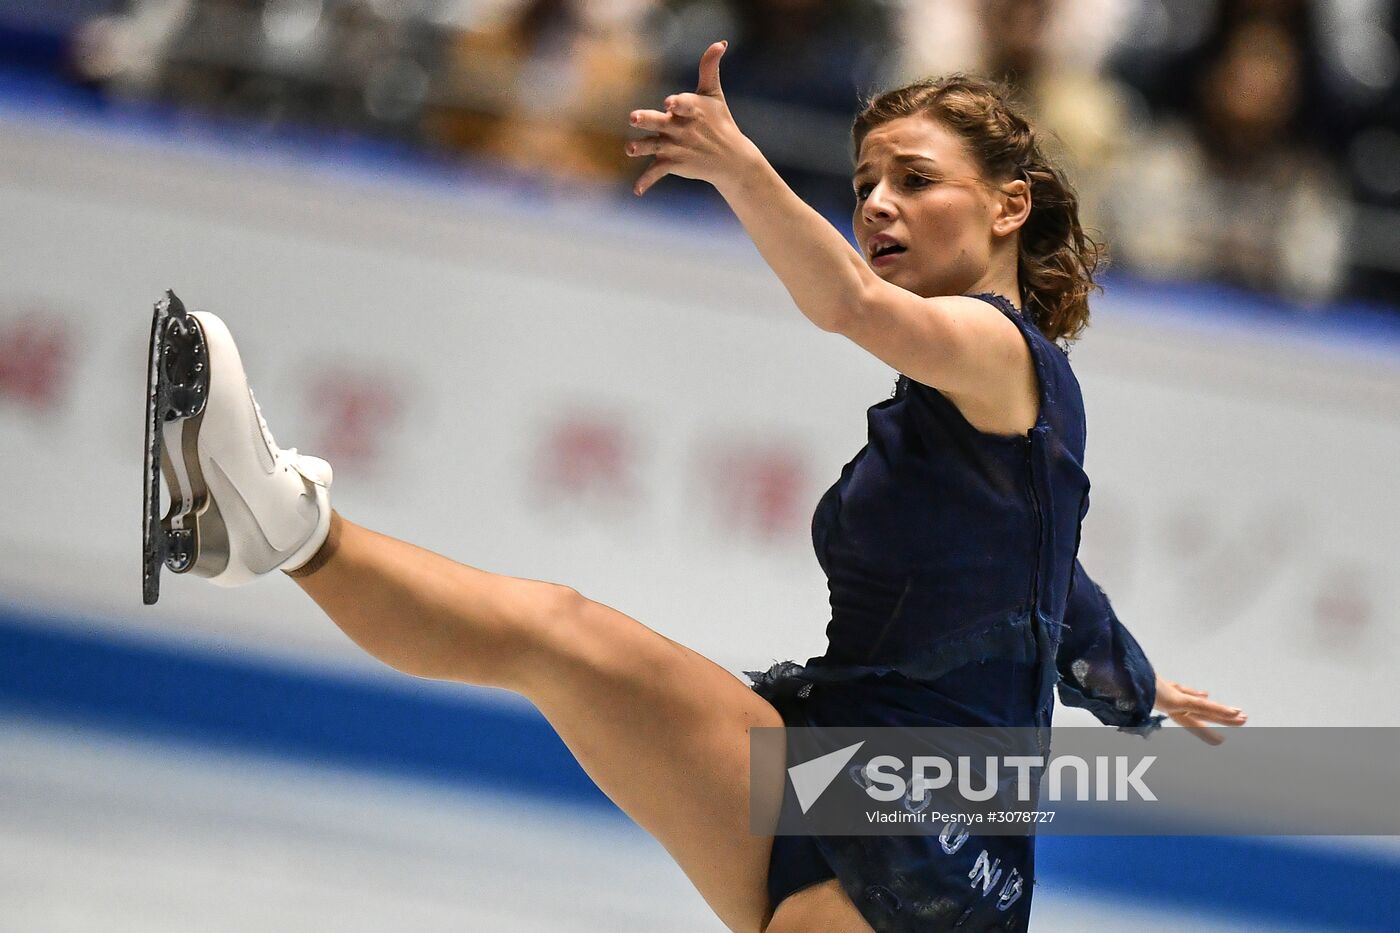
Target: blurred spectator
x=125, y=51
x=958, y=35
x=1227, y=139
x=546, y=85
x=1171, y=39
x=1230, y=192
x=1052, y=53
x=279, y=62
x=1361, y=82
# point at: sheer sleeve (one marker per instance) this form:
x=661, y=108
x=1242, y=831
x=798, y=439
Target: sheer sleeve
x=1102, y=668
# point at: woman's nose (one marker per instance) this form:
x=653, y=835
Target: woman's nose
x=878, y=205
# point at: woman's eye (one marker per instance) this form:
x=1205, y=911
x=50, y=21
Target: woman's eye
x=917, y=181
x=862, y=192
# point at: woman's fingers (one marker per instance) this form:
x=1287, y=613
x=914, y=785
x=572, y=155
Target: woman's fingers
x=1173, y=685
x=695, y=135
x=1192, y=725
x=1221, y=714
x=654, y=173
x=1213, y=711
x=709, y=71
x=1192, y=710
x=653, y=121
x=650, y=146
x=1179, y=698
x=683, y=106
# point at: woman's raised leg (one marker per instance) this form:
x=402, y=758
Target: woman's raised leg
x=662, y=730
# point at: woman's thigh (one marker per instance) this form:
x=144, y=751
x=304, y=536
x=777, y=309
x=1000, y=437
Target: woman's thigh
x=821, y=908
x=665, y=733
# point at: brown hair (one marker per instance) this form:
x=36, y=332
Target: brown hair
x=1057, y=258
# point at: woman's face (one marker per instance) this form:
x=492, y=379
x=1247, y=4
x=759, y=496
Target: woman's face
x=920, y=194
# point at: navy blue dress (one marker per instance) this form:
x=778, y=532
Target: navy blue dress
x=957, y=599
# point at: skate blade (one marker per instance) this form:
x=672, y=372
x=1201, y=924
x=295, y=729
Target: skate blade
x=177, y=386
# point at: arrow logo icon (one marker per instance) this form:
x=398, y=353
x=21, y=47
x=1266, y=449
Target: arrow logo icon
x=811, y=778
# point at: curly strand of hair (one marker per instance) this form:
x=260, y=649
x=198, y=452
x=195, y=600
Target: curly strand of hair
x=1058, y=259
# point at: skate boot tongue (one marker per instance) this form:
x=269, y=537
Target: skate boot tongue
x=272, y=448
x=312, y=469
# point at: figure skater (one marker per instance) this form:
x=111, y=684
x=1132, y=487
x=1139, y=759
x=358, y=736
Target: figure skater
x=949, y=541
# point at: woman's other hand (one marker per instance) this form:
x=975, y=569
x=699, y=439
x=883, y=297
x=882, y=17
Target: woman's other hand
x=1192, y=709
x=696, y=136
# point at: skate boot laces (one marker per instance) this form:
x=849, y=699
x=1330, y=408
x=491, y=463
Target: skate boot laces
x=312, y=469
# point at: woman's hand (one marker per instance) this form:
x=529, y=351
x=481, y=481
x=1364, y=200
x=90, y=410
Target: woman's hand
x=1190, y=708
x=696, y=137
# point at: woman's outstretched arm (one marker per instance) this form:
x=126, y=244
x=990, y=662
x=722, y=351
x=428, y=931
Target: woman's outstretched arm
x=954, y=343
x=1104, y=670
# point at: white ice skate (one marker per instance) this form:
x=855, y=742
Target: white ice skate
x=240, y=506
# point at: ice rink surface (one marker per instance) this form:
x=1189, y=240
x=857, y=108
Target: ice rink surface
x=104, y=832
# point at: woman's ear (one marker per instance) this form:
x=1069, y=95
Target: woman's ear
x=1013, y=203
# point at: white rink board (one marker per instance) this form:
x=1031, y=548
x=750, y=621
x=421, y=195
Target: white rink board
x=1244, y=519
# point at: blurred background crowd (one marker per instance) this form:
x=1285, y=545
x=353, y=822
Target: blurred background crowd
x=1253, y=143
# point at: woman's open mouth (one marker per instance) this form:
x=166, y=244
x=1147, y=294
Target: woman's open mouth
x=886, y=253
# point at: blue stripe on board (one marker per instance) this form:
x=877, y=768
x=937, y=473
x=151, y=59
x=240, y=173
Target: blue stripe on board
x=446, y=733
x=259, y=706
x=1210, y=876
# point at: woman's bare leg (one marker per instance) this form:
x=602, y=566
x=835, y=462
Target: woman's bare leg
x=662, y=730
x=823, y=907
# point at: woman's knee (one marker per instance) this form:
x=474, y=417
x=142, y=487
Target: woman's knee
x=575, y=640
x=550, y=628
x=522, y=634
